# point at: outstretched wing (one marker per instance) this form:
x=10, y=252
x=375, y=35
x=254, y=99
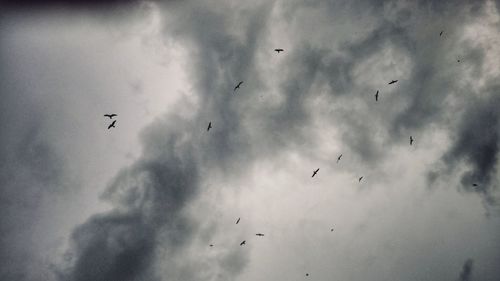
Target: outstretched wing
x=112, y=125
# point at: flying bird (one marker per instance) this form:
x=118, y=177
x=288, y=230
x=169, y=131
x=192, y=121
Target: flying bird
x=243, y=242
x=338, y=158
x=393, y=81
x=315, y=172
x=259, y=234
x=238, y=86
x=110, y=115
x=474, y=184
x=360, y=179
x=278, y=50
x=440, y=33
x=458, y=60
x=209, y=126
x=331, y=230
x=376, y=96
x=307, y=274
x=238, y=221
x=411, y=140
x=112, y=125
x=211, y=245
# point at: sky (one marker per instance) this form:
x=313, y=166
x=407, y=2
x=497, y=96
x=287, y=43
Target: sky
x=146, y=199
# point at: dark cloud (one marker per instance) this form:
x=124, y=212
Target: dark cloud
x=67, y=4
x=477, y=144
x=466, y=273
x=418, y=100
x=147, y=224
x=150, y=195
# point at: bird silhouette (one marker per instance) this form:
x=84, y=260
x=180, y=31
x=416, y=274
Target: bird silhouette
x=474, y=184
x=376, y=96
x=110, y=115
x=238, y=221
x=440, y=33
x=315, y=172
x=278, y=50
x=112, y=125
x=259, y=234
x=411, y=140
x=360, y=179
x=243, y=242
x=307, y=274
x=331, y=230
x=393, y=81
x=458, y=60
x=211, y=245
x=238, y=86
x=338, y=158
x=209, y=126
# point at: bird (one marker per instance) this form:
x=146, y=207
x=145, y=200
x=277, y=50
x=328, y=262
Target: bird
x=307, y=274
x=331, y=230
x=238, y=86
x=393, y=81
x=243, y=242
x=209, y=126
x=315, y=172
x=259, y=234
x=112, y=125
x=376, y=96
x=211, y=245
x=474, y=184
x=360, y=179
x=238, y=221
x=278, y=50
x=411, y=140
x=440, y=33
x=458, y=60
x=338, y=158
x=110, y=115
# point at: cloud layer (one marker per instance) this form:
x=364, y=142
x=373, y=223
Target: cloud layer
x=300, y=108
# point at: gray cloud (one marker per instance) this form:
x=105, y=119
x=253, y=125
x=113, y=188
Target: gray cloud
x=419, y=99
x=466, y=273
x=148, y=234
x=149, y=197
x=477, y=143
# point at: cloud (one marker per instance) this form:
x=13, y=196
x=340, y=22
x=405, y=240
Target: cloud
x=149, y=197
x=477, y=144
x=147, y=235
x=95, y=5
x=32, y=174
x=466, y=273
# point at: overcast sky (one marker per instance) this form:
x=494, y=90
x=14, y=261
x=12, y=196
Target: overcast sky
x=145, y=200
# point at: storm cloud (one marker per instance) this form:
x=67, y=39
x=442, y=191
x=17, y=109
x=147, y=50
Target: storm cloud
x=158, y=201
